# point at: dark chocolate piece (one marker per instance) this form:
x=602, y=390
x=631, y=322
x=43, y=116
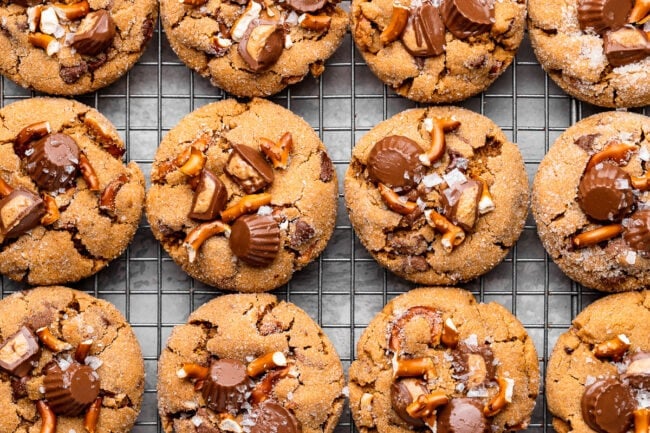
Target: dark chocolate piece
x=262, y=44
x=255, y=239
x=460, y=203
x=404, y=392
x=603, y=15
x=306, y=5
x=626, y=45
x=605, y=192
x=249, y=169
x=465, y=18
x=424, y=35
x=226, y=386
x=462, y=415
x=19, y=351
x=607, y=406
x=586, y=142
x=95, y=33
x=473, y=365
x=394, y=162
x=302, y=232
x=326, y=167
x=636, y=231
x=270, y=417
x=69, y=392
x=71, y=74
x=52, y=162
x=20, y=212
x=210, y=197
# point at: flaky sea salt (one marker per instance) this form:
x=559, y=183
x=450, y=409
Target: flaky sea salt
x=264, y=210
x=589, y=380
x=644, y=154
x=472, y=340
x=454, y=177
x=630, y=257
x=431, y=180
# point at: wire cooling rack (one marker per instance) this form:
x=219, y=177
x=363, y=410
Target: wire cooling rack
x=344, y=288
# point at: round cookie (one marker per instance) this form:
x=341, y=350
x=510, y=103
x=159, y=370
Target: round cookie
x=435, y=358
x=254, y=48
x=438, y=51
x=590, y=201
x=598, y=374
x=69, y=356
x=73, y=48
x=262, y=363
x=243, y=195
x=437, y=195
x=68, y=204
x=596, y=51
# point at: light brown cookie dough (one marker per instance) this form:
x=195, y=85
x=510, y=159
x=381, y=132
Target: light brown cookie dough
x=254, y=48
x=69, y=356
x=435, y=359
x=450, y=221
x=438, y=51
x=232, y=216
x=598, y=376
x=68, y=203
x=72, y=48
x=590, y=202
x=245, y=358
x=595, y=51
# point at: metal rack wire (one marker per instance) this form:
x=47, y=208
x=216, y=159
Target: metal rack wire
x=344, y=288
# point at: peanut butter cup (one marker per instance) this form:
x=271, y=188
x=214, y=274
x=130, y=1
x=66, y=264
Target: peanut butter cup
x=53, y=161
x=394, y=161
x=18, y=351
x=636, y=231
x=69, y=392
x=603, y=15
x=226, y=386
x=465, y=18
x=605, y=192
x=607, y=406
x=95, y=33
x=255, y=239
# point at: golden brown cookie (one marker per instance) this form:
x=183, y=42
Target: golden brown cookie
x=249, y=362
x=70, y=48
x=68, y=204
x=438, y=51
x=596, y=51
x=435, y=359
x=437, y=195
x=598, y=376
x=243, y=195
x=254, y=48
x=67, y=358
x=590, y=202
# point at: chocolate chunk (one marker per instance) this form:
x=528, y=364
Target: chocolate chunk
x=20, y=211
x=70, y=391
x=394, y=162
x=607, y=406
x=302, y=233
x=262, y=44
x=412, y=264
x=210, y=197
x=473, y=364
x=407, y=242
x=226, y=386
x=636, y=231
x=71, y=74
x=586, y=142
x=306, y=5
x=249, y=169
x=465, y=18
x=95, y=33
x=53, y=162
x=638, y=370
x=270, y=417
x=147, y=30
x=19, y=351
x=326, y=167
x=93, y=64
x=19, y=387
x=625, y=45
x=462, y=415
x=424, y=35
x=603, y=15
x=404, y=392
x=460, y=203
x=605, y=192
x=255, y=239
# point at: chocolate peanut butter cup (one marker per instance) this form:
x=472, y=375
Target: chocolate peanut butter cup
x=53, y=161
x=394, y=161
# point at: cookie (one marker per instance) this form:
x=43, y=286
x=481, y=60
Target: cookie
x=595, y=50
x=436, y=359
x=438, y=51
x=253, y=363
x=590, y=202
x=598, y=375
x=68, y=204
x=243, y=195
x=254, y=48
x=68, y=359
x=437, y=195
x=72, y=48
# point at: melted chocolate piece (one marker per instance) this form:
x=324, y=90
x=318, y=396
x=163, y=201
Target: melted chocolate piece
x=95, y=33
x=626, y=45
x=255, y=239
x=404, y=392
x=462, y=415
x=473, y=365
x=326, y=168
x=424, y=35
x=209, y=198
x=636, y=231
x=19, y=351
x=70, y=391
x=270, y=417
x=52, y=161
x=262, y=44
x=605, y=192
x=460, y=203
x=607, y=406
x=306, y=5
x=394, y=162
x=226, y=386
x=465, y=18
x=71, y=74
x=603, y=15
x=20, y=212
x=302, y=233
x=249, y=169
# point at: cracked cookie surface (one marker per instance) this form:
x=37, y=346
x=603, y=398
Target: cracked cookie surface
x=611, y=264
x=86, y=225
x=40, y=51
x=477, y=154
x=289, y=211
x=470, y=348
x=576, y=364
x=240, y=328
x=71, y=317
